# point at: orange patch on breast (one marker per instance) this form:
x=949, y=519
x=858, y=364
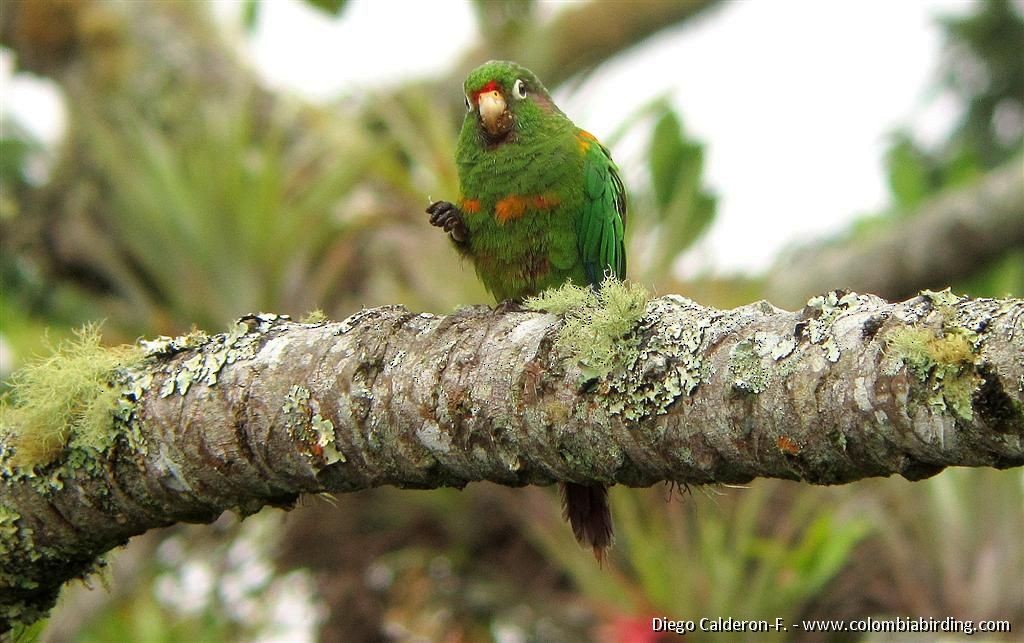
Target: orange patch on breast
x=513, y=207
x=470, y=206
x=585, y=139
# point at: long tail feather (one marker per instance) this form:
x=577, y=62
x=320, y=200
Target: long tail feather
x=586, y=509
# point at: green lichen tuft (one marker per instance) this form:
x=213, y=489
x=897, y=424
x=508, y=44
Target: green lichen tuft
x=595, y=322
x=72, y=394
x=911, y=346
x=945, y=364
x=315, y=316
x=559, y=301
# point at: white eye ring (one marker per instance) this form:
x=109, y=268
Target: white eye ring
x=519, y=88
x=469, y=105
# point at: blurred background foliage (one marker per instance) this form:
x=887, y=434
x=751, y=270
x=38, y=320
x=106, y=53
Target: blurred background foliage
x=185, y=194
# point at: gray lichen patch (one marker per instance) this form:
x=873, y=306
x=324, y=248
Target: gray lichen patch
x=979, y=315
x=15, y=542
x=164, y=345
x=942, y=297
x=601, y=334
x=667, y=364
x=296, y=402
x=396, y=361
x=22, y=554
x=305, y=424
x=325, y=439
x=18, y=552
x=778, y=348
x=822, y=312
x=357, y=318
x=212, y=353
x=748, y=373
x=756, y=362
x=22, y=551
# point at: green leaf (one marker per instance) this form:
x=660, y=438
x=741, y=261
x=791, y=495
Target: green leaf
x=908, y=173
x=668, y=150
x=333, y=7
x=16, y=146
x=963, y=167
x=699, y=220
x=12, y=158
x=685, y=209
x=250, y=14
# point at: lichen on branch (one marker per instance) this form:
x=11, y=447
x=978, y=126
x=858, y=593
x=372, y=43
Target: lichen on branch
x=595, y=322
x=605, y=387
x=70, y=397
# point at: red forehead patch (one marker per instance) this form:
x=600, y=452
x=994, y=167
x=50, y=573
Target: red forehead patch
x=491, y=86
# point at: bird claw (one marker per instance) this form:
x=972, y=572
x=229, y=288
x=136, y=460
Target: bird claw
x=510, y=306
x=447, y=216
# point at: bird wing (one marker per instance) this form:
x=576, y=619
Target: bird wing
x=601, y=226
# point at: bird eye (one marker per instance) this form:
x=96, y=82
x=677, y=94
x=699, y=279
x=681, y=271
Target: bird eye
x=469, y=105
x=519, y=88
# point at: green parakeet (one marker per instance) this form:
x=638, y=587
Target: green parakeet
x=541, y=203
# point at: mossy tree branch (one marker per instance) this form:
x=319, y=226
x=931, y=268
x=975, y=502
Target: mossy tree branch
x=849, y=387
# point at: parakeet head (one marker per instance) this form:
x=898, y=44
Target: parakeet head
x=505, y=100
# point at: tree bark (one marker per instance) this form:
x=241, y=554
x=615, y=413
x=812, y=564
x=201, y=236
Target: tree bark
x=849, y=387
x=950, y=238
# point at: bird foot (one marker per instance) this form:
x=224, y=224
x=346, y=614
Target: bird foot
x=447, y=216
x=510, y=306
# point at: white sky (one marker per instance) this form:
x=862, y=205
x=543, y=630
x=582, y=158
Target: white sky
x=793, y=98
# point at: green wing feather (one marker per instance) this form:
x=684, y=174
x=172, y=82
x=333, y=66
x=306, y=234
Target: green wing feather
x=601, y=227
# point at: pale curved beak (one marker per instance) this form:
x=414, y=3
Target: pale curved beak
x=492, y=108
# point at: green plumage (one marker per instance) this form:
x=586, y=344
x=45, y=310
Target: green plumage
x=541, y=204
x=549, y=205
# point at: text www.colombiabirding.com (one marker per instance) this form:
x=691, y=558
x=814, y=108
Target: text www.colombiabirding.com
x=892, y=625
